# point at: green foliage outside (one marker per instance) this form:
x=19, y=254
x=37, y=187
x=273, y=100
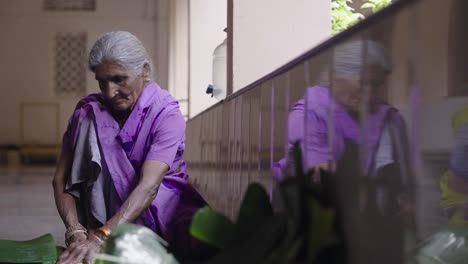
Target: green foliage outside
x=376, y=5
x=344, y=16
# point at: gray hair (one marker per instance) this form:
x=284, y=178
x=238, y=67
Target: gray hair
x=121, y=48
x=352, y=57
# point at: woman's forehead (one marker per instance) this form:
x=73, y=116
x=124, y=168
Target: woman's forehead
x=109, y=68
x=371, y=71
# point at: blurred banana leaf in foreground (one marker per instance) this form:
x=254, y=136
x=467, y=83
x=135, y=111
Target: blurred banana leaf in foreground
x=302, y=231
x=134, y=244
x=38, y=250
x=448, y=246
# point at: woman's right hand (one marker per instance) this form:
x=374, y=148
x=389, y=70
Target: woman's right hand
x=80, y=252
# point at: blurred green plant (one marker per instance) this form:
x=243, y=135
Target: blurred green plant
x=376, y=5
x=135, y=244
x=343, y=16
x=302, y=230
x=38, y=250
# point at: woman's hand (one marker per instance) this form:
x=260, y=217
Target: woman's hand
x=78, y=237
x=81, y=250
x=330, y=167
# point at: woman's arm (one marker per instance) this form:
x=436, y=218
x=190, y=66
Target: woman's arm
x=316, y=146
x=65, y=202
x=143, y=195
x=139, y=199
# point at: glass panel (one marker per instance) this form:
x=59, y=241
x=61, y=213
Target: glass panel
x=191, y=156
x=266, y=128
x=369, y=149
x=230, y=184
x=382, y=117
x=440, y=128
x=255, y=135
x=280, y=107
x=245, y=152
x=235, y=152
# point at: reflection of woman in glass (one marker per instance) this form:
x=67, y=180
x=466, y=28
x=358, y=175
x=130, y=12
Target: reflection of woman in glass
x=358, y=66
x=357, y=141
x=371, y=126
x=454, y=184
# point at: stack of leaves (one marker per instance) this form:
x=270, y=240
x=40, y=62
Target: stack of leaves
x=303, y=231
x=38, y=250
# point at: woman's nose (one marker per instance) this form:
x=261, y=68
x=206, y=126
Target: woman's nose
x=110, y=90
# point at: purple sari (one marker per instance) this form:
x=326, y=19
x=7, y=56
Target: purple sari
x=155, y=130
x=308, y=123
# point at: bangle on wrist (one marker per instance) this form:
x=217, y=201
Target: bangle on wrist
x=98, y=239
x=101, y=234
x=104, y=231
x=72, y=230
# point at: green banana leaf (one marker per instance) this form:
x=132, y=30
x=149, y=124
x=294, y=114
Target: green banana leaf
x=285, y=252
x=302, y=232
x=212, y=227
x=258, y=246
x=38, y=250
x=320, y=226
x=255, y=208
x=293, y=202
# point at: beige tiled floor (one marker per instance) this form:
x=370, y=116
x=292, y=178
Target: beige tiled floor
x=27, y=207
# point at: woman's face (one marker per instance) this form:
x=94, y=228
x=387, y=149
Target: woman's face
x=350, y=91
x=120, y=88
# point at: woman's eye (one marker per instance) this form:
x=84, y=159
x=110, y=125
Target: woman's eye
x=102, y=84
x=118, y=79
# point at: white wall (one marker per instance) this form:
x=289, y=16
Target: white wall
x=269, y=33
x=162, y=42
x=262, y=41
x=208, y=18
x=178, y=53
x=27, y=52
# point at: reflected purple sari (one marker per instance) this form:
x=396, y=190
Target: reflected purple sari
x=322, y=141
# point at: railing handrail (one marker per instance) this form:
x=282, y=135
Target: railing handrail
x=326, y=44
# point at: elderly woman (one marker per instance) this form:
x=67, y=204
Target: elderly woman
x=121, y=159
